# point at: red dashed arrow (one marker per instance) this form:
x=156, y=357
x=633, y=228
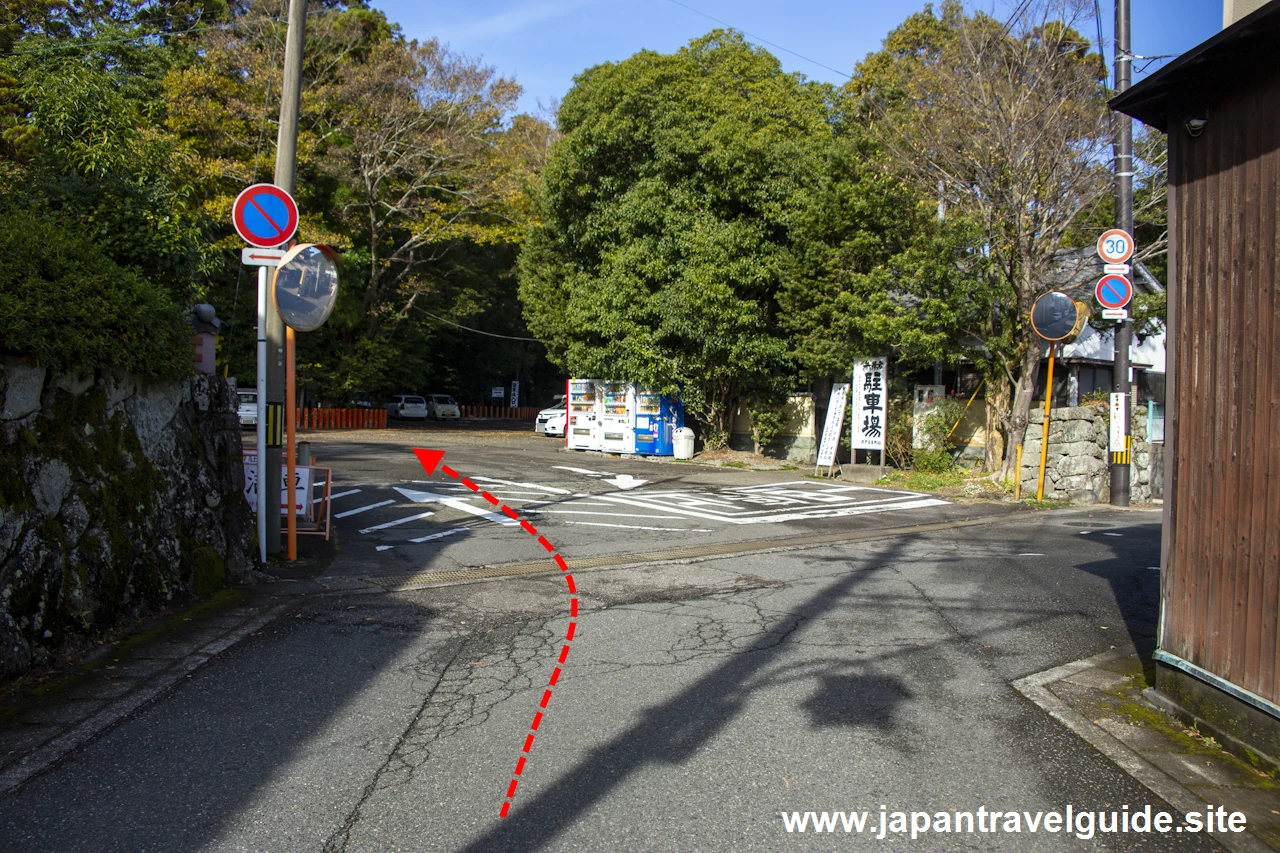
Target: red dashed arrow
x=430, y=459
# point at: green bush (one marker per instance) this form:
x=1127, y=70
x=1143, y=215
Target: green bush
x=67, y=305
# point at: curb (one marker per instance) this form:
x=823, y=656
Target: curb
x=1033, y=687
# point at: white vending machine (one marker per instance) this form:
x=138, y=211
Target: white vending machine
x=582, y=426
x=617, y=417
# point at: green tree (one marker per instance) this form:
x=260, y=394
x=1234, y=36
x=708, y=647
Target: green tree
x=664, y=214
x=1006, y=125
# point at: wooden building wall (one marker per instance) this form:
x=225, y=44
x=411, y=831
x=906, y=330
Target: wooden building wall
x=1221, y=589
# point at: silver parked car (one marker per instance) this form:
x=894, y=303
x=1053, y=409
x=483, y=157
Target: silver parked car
x=407, y=406
x=442, y=407
x=248, y=408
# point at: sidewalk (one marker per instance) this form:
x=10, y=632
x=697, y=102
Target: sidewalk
x=40, y=725
x=1100, y=699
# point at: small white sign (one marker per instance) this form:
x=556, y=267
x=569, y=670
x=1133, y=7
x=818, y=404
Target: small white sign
x=515, y=394
x=498, y=392
x=834, y=426
x=302, y=486
x=1115, y=314
x=1118, y=269
x=254, y=257
x=1119, y=421
x=870, y=402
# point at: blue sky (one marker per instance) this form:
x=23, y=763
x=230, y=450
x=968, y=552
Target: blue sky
x=544, y=43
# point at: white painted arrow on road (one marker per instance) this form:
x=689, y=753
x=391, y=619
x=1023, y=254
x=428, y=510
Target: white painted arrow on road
x=626, y=481
x=455, y=502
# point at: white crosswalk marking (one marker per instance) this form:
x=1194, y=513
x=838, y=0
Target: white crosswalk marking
x=440, y=535
x=397, y=522
x=359, y=510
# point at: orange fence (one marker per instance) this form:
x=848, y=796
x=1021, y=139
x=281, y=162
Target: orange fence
x=522, y=413
x=359, y=418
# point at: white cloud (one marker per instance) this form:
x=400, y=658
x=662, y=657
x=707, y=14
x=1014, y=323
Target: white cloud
x=515, y=19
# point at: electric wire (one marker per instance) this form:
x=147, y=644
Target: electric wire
x=469, y=329
x=762, y=41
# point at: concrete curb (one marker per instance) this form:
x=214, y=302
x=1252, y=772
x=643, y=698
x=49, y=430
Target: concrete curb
x=53, y=750
x=1034, y=687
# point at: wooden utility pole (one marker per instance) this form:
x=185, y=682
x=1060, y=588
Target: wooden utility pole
x=269, y=463
x=1123, y=148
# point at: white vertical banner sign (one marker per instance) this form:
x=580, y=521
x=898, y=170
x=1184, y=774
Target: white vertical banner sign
x=515, y=394
x=870, y=403
x=833, y=428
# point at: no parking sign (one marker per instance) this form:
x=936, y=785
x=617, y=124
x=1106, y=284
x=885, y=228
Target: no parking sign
x=265, y=215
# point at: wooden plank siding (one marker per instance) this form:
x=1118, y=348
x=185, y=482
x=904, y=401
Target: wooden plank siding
x=1221, y=586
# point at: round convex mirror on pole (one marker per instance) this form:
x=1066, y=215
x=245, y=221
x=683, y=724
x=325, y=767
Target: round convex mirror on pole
x=305, y=289
x=1053, y=316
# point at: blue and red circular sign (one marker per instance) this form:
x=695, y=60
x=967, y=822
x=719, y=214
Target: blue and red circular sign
x=265, y=215
x=1113, y=291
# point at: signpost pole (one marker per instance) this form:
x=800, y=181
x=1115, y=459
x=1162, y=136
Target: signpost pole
x=285, y=173
x=1124, y=219
x=260, y=430
x=1044, y=431
x=292, y=445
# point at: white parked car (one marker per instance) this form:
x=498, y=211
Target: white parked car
x=442, y=407
x=248, y=408
x=407, y=406
x=551, y=421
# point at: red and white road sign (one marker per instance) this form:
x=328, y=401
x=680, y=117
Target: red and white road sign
x=1115, y=246
x=1113, y=291
x=265, y=215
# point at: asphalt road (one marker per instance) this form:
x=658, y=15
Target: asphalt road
x=701, y=697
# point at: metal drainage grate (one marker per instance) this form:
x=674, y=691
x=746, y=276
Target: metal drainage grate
x=419, y=580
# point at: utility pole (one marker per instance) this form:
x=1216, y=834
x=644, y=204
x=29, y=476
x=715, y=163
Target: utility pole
x=286, y=170
x=1123, y=149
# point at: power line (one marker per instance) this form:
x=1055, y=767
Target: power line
x=469, y=329
x=762, y=41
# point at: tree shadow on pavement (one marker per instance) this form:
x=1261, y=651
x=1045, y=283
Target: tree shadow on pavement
x=674, y=731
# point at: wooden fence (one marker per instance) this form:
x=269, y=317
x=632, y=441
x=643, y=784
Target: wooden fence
x=521, y=413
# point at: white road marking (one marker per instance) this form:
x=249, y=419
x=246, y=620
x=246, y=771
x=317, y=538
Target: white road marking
x=551, y=490
x=1030, y=554
x=586, y=471
x=1112, y=534
x=398, y=521
x=457, y=503
x=362, y=509
x=908, y=501
x=626, y=481
x=1154, y=568
x=338, y=495
x=385, y=547
x=588, y=512
x=637, y=527
x=1085, y=532
x=440, y=535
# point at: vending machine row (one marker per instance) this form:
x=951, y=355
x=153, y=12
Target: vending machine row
x=621, y=417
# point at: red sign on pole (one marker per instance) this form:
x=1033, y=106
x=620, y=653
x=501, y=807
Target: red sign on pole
x=265, y=215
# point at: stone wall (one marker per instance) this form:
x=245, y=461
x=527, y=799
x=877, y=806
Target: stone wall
x=797, y=441
x=116, y=495
x=1077, y=465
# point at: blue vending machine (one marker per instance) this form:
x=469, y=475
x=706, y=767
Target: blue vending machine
x=657, y=417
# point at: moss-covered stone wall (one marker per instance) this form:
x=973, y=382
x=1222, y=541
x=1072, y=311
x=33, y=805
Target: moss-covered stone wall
x=116, y=496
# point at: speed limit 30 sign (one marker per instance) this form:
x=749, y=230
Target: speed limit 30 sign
x=1115, y=246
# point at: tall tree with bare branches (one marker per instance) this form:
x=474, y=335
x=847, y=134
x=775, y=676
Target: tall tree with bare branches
x=1005, y=123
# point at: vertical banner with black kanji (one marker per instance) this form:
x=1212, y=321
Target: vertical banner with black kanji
x=870, y=402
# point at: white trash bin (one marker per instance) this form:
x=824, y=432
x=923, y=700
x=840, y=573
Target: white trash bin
x=683, y=440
